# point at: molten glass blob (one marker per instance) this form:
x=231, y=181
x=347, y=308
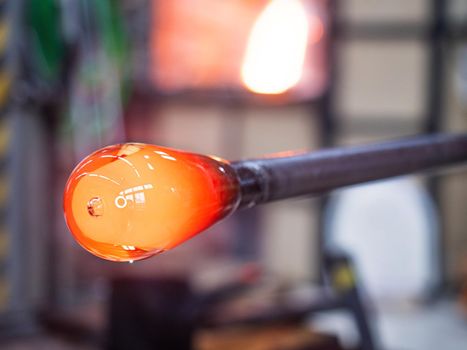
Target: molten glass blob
x=131, y=201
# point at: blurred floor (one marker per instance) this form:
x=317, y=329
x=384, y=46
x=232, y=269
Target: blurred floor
x=439, y=326
x=435, y=326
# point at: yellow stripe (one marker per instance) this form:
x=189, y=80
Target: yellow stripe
x=4, y=191
x=4, y=244
x=4, y=30
x=5, y=135
x=5, y=83
x=4, y=294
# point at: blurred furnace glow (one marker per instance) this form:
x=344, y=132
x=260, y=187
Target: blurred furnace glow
x=276, y=48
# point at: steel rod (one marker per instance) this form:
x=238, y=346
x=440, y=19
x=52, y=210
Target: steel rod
x=270, y=179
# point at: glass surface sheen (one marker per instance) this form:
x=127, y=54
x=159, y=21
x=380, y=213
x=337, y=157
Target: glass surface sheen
x=131, y=201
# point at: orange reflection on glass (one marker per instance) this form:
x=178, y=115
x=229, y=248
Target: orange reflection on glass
x=285, y=154
x=129, y=202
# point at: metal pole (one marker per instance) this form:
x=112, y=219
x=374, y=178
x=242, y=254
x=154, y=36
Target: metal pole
x=270, y=179
x=434, y=104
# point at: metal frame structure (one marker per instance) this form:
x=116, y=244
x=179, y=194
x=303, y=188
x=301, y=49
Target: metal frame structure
x=438, y=35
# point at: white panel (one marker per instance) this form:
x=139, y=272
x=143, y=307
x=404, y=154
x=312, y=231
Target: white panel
x=289, y=238
x=194, y=128
x=453, y=199
x=270, y=130
x=381, y=79
x=389, y=228
x=385, y=10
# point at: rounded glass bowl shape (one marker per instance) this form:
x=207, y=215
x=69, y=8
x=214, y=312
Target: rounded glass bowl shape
x=131, y=201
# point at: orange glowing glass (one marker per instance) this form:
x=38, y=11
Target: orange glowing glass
x=131, y=201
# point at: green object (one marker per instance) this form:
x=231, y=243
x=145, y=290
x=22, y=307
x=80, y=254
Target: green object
x=112, y=30
x=43, y=18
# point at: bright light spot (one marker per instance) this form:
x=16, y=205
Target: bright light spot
x=276, y=48
x=169, y=157
x=120, y=202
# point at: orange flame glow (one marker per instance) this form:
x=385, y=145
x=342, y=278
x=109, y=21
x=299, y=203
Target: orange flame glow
x=276, y=48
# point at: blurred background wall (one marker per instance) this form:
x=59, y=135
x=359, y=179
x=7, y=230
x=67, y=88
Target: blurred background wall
x=386, y=69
